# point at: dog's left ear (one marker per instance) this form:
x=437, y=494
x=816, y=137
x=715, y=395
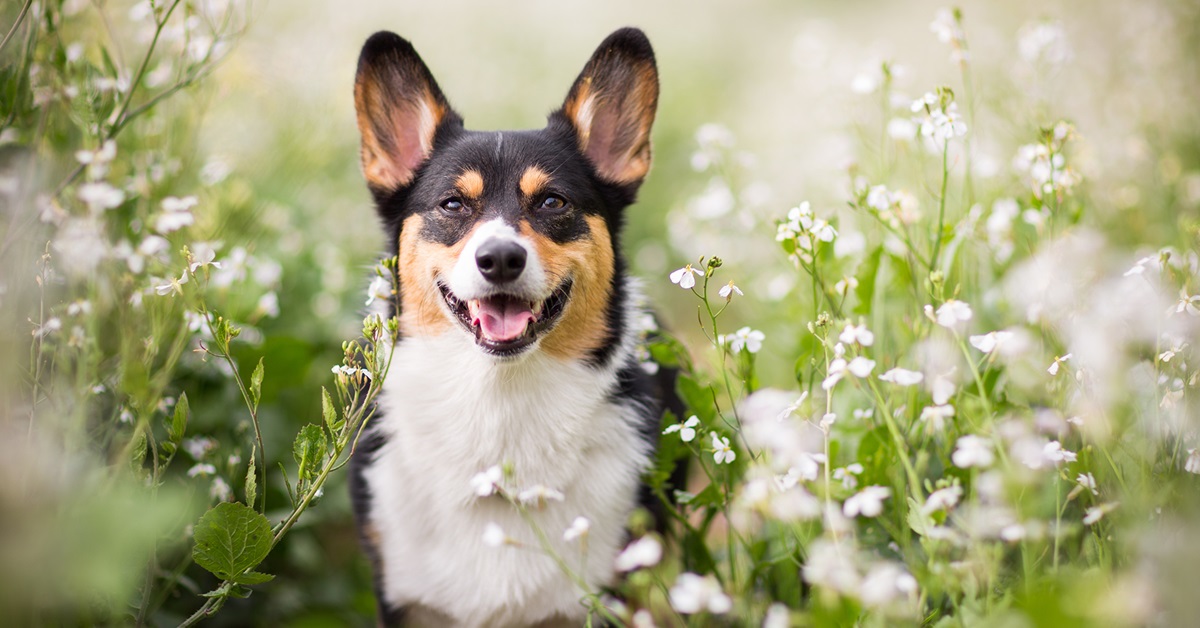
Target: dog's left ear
x=611, y=107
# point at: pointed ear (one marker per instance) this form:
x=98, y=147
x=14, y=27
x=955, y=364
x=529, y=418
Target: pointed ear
x=611, y=106
x=400, y=110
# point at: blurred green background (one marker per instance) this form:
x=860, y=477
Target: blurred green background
x=788, y=80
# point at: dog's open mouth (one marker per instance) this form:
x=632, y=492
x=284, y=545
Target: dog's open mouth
x=506, y=324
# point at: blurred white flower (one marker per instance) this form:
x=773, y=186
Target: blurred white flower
x=990, y=341
x=220, y=490
x=486, y=482
x=1139, y=266
x=1095, y=513
x=1088, y=482
x=722, y=452
x=936, y=416
x=177, y=214
x=845, y=285
x=203, y=254
x=945, y=27
x=847, y=475
x=831, y=566
x=952, y=313
x=857, y=334
x=686, y=276
x=99, y=196
x=97, y=164
x=1193, y=461
x=859, y=367
x=867, y=502
x=1053, y=368
x=1053, y=452
x=202, y=468
x=828, y=420
x=493, y=535
x=885, y=583
x=1188, y=303
x=687, y=429
x=1043, y=42
x=903, y=377
x=901, y=129
x=268, y=305
x=777, y=617
x=973, y=451
x=579, y=528
x=745, y=338
x=644, y=552
x=538, y=495
x=380, y=289
x=715, y=201
x=693, y=593
x=942, y=499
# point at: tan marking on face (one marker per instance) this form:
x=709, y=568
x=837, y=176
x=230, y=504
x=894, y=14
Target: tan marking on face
x=470, y=183
x=533, y=180
x=589, y=262
x=421, y=261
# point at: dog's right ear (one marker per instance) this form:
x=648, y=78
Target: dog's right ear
x=400, y=110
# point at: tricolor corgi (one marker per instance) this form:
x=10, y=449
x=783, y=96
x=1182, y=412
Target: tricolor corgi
x=518, y=330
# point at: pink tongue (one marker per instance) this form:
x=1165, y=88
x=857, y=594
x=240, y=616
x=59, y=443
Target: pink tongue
x=503, y=319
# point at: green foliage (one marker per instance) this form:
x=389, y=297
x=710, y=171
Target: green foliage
x=230, y=540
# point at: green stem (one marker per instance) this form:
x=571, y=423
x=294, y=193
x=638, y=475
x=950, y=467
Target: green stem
x=937, y=243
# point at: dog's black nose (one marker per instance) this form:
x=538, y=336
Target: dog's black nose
x=500, y=261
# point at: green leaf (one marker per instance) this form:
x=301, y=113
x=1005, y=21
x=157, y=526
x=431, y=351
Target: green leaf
x=178, y=426
x=230, y=539
x=137, y=453
x=697, y=398
x=332, y=421
x=256, y=383
x=696, y=557
x=251, y=479
x=253, y=577
x=868, y=270
x=309, y=451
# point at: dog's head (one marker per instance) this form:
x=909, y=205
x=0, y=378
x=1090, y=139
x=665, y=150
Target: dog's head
x=510, y=236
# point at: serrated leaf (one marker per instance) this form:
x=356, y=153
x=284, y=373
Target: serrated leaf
x=230, y=539
x=251, y=479
x=256, y=380
x=309, y=451
x=178, y=426
x=254, y=577
x=137, y=453
x=330, y=413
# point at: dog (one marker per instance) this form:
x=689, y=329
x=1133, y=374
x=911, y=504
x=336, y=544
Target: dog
x=518, y=329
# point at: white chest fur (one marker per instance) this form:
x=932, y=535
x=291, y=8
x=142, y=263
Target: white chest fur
x=449, y=412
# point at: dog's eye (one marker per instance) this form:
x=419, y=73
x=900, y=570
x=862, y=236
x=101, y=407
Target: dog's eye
x=452, y=205
x=553, y=202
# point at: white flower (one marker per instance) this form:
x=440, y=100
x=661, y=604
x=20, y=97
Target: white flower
x=220, y=490
x=945, y=27
x=973, y=451
x=990, y=341
x=203, y=253
x=198, y=446
x=268, y=305
x=859, y=367
x=886, y=582
x=202, y=468
x=538, y=495
x=579, y=528
x=936, y=416
x=903, y=377
x=860, y=334
x=846, y=475
x=745, y=338
x=687, y=429
x=943, y=125
x=942, y=499
x=953, y=312
x=1095, y=513
x=728, y=290
x=1053, y=451
x=486, y=482
x=644, y=552
x=901, y=129
x=1193, y=461
x=1087, y=481
x=1043, y=41
x=722, y=452
x=493, y=535
x=845, y=284
x=867, y=502
x=380, y=289
x=693, y=593
x=1053, y=369
x=1188, y=303
x=686, y=276
x=1139, y=266
x=99, y=196
x=777, y=617
x=831, y=566
x=176, y=214
x=172, y=286
x=828, y=420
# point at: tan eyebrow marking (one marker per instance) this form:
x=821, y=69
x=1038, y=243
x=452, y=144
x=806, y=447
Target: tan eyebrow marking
x=470, y=183
x=533, y=180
